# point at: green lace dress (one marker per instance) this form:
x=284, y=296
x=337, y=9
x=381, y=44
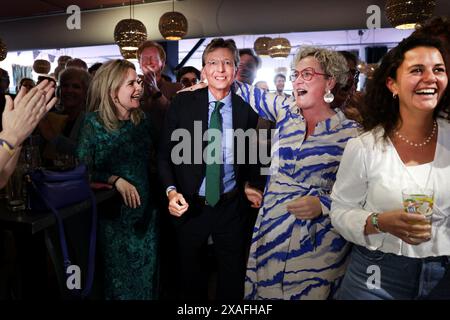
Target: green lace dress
x=128, y=242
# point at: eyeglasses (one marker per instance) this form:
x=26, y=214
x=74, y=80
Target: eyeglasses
x=186, y=82
x=215, y=63
x=307, y=74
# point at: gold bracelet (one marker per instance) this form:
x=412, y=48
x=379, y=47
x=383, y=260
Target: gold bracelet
x=7, y=147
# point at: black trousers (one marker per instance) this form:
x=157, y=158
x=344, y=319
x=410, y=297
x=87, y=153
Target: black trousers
x=225, y=222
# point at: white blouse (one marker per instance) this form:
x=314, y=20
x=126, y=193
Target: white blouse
x=370, y=179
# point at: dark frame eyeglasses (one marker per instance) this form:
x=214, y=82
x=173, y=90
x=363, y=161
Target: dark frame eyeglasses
x=307, y=74
x=188, y=82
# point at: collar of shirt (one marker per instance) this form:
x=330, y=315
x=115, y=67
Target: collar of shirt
x=226, y=101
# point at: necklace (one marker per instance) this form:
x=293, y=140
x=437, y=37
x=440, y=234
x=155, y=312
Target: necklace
x=426, y=141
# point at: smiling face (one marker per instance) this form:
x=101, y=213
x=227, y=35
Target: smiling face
x=151, y=58
x=129, y=93
x=310, y=93
x=220, y=71
x=420, y=80
x=279, y=84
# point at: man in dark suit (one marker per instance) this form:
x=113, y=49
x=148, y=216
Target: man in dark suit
x=206, y=197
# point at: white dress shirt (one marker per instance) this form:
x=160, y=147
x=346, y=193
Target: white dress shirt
x=370, y=179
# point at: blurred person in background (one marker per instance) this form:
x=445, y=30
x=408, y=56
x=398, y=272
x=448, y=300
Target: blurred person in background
x=188, y=76
x=280, y=80
x=26, y=83
x=345, y=96
x=262, y=85
x=61, y=129
x=249, y=64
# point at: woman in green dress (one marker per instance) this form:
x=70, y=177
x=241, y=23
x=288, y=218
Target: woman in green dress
x=115, y=142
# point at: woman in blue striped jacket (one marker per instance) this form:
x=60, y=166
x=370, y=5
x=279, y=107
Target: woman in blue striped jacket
x=295, y=252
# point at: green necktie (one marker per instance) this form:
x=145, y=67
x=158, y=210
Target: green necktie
x=212, y=166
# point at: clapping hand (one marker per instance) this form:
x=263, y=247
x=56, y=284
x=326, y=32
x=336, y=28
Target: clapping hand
x=150, y=79
x=23, y=114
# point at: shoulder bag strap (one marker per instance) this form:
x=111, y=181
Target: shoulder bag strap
x=63, y=243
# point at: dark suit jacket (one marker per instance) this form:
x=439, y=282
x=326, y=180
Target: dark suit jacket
x=158, y=106
x=186, y=108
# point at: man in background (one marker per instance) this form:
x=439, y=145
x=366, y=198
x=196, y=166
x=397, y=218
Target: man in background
x=157, y=91
x=249, y=64
x=280, y=81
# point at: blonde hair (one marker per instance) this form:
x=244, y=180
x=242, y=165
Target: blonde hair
x=105, y=84
x=332, y=62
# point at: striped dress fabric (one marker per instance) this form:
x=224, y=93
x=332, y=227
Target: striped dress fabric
x=294, y=259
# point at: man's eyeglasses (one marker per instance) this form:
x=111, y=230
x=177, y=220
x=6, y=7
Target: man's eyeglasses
x=215, y=63
x=307, y=74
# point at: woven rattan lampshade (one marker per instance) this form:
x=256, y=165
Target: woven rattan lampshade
x=41, y=66
x=173, y=25
x=405, y=14
x=279, y=48
x=3, y=50
x=261, y=46
x=129, y=34
x=129, y=54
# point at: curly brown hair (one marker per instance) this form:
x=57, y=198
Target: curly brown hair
x=380, y=109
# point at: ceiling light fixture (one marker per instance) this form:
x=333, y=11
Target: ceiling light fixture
x=173, y=25
x=279, y=48
x=129, y=55
x=41, y=66
x=261, y=46
x=406, y=14
x=3, y=50
x=130, y=33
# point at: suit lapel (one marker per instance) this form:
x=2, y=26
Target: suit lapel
x=240, y=112
x=240, y=118
x=200, y=113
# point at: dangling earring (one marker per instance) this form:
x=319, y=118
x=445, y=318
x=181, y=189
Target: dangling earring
x=394, y=95
x=328, y=97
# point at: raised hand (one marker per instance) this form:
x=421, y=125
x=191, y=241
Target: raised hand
x=21, y=116
x=150, y=80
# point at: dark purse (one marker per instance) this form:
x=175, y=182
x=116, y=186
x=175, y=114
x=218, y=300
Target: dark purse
x=54, y=190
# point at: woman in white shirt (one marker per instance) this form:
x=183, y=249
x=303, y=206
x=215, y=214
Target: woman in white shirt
x=397, y=255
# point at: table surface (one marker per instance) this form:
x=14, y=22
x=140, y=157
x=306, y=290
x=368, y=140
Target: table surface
x=34, y=222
